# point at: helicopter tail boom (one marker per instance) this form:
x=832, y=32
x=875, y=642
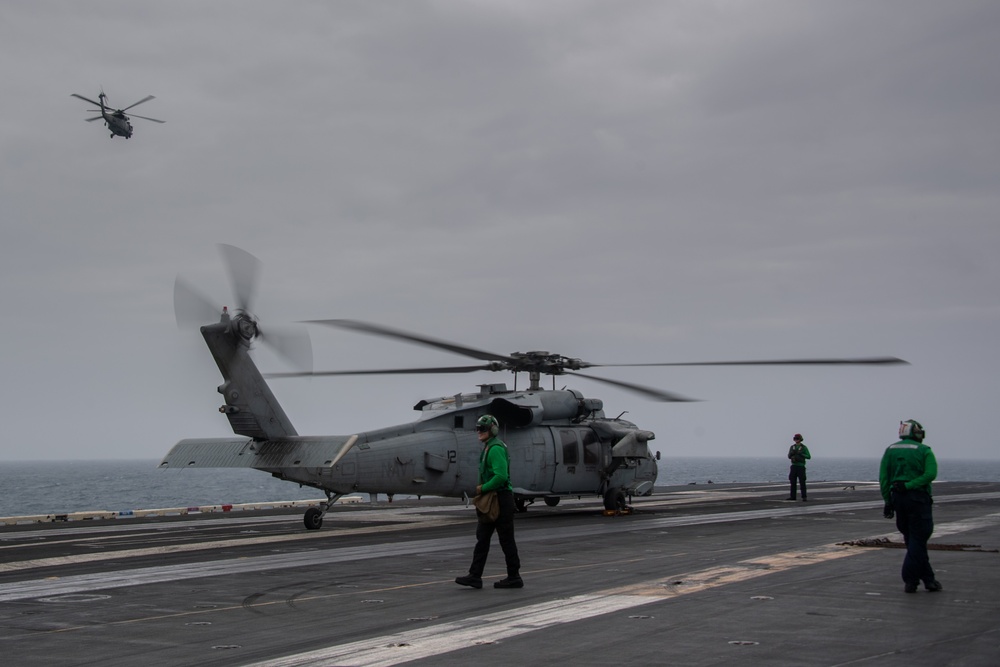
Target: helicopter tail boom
x=250, y=405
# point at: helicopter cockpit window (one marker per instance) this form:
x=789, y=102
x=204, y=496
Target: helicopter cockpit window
x=591, y=448
x=571, y=451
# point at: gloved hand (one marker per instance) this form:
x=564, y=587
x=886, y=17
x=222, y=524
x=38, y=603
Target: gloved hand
x=888, y=512
x=899, y=486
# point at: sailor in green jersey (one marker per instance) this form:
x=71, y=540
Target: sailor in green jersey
x=905, y=475
x=494, y=475
x=798, y=453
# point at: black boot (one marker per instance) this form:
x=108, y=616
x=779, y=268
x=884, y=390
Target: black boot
x=509, y=582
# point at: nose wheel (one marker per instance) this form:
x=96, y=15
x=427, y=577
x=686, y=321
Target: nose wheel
x=614, y=500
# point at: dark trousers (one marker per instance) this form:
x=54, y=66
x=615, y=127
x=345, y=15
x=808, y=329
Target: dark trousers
x=915, y=521
x=504, y=527
x=797, y=473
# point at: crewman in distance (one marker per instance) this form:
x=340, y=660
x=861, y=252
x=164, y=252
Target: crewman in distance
x=798, y=453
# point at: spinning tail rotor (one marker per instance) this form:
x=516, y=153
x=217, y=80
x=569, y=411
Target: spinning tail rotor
x=193, y=309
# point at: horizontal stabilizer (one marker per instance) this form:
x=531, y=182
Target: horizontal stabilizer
x=292, y=452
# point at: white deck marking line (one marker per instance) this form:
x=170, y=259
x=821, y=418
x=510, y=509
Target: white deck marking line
x=390, y=515
x=214, y=544
x=446, y=637
x=410, y=523
x=149, y=575
x=399, y=648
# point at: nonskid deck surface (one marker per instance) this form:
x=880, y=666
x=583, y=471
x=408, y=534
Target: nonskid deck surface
x=697, y=575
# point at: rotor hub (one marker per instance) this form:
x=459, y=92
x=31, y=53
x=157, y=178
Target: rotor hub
x=543, y=362
x=245, y=326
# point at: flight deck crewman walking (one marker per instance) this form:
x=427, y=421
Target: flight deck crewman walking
x=494, y=475
x=905, y=475
x=797, y=454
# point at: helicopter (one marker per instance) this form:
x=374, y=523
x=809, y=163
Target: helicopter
x=561, y=443
x=115, y=119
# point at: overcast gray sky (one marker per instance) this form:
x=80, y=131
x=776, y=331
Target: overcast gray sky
x=616, y=181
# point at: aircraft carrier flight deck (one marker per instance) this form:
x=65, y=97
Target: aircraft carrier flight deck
x=696, y=575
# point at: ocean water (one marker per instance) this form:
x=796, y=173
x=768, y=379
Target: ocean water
x=42, y=487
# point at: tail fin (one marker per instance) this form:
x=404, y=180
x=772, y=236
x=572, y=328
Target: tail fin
x=252, y=409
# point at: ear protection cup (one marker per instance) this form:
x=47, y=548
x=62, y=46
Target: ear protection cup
x=912, y=429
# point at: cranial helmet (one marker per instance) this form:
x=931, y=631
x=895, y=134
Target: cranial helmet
x=488, y=422
x=912, y=429
x=797, y=437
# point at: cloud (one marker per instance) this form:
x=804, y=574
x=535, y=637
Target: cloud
x=622, y=183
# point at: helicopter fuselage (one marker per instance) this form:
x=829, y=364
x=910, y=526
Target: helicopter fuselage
x=118, y=123
x=560, y=443
x=439, y=454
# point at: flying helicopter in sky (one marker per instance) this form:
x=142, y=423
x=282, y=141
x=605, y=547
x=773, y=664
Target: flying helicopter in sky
x=115, y=119
x=561, y=443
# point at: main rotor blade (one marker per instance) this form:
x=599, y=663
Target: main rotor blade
x=86, y=99
x=385, y=371
x=770, y=362
x=135, y=115
x=91, y=120
x=291, y=343
x=191, y=309
x=379, y=330
x=145, y=99
x=243, y=269
x=648, y=392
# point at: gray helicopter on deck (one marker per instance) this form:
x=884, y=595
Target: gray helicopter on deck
x=561, y=443
x=116, y=119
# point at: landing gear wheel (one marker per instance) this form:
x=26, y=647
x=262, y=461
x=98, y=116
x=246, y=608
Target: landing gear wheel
x=551, y=501
x=313, y=518
x=614, y=500
x=520, y=505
